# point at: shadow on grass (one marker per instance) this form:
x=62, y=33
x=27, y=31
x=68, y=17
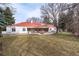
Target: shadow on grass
x=39, y=45
x=5, y=41
x=67, y=36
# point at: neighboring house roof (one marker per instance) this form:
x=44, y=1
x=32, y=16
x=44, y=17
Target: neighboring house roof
x=33, y=24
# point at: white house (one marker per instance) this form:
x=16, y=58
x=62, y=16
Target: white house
x=30, y=28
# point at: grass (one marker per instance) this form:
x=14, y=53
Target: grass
x=41, y=45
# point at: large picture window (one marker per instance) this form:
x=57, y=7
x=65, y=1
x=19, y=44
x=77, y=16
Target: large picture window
x=24, y=29
x=13, y=30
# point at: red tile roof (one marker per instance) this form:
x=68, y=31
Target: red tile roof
x=33, y=24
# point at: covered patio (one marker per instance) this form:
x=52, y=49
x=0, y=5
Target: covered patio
x=37, y=30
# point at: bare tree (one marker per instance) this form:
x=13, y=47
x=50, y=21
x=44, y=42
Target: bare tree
x=70, y=13
x=34, y=19
x=53, y=10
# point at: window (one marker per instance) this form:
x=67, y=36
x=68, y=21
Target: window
x=24, y=29
x=13, y=29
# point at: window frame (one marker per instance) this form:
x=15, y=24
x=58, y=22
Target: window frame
x=24, y=29
x=13, y=29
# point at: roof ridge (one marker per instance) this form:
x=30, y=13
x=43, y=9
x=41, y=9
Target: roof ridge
x=34, y=24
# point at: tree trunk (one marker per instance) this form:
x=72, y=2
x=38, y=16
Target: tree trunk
x=0, y=32
x=1, y=42
x=57, y=29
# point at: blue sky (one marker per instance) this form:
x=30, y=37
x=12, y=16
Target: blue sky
x=26, y=10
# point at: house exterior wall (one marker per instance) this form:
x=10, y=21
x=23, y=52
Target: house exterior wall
x=18, y=30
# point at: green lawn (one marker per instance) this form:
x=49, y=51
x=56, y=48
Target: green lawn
x=38, y=45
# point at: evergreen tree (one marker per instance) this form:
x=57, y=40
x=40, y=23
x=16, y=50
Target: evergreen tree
x=8, y=15
x=46, y=20
x=2, y=21
x=6, y=18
